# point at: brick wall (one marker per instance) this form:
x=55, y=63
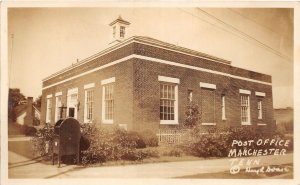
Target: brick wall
x=137, y=96
x=146, y=95
x=122, y=94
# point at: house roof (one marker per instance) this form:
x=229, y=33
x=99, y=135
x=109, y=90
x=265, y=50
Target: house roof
x=120, y=20
x=144, y=40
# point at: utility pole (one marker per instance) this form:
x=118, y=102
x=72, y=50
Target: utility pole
x=11, y=58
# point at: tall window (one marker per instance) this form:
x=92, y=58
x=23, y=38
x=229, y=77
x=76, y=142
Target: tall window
x=122, y=31
x=108, y=100
x=88, y=108
x=49, y=110
x=223, y=108
x=245, y=109
x=168, y=100
x=57, y=108
x=259, y=108
x=114, y=31
x=190, y=96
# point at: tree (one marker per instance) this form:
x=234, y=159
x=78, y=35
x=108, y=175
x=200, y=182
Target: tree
x=14, y=97
x=38, y=102
x=192, y=115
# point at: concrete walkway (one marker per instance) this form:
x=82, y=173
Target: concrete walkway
x=22, y=167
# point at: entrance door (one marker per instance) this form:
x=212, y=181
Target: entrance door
x=72, y=101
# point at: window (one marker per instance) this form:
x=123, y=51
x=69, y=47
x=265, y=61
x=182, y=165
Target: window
x=190, y=96
x=114, y=31
x=223, y=108
x=49, y=109
x=260, y=96
x=259, y=107
x=57, y=108
x=168, y=100
x=208, y=103
x=245, y=109
x=108, y=100
x=122, y=31
x=88, y=108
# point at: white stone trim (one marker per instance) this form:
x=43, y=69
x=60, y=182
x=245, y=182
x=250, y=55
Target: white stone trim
x=260, y=94
x=243, y=91
x=107, y=81
x=73, y=91
x=49, y=96
x=168, y=79
x=261, y=124
x=208, y=123
x=208, y=85
x=90, y=85
x=135, y=56
x=58, y=93
x=133, y=39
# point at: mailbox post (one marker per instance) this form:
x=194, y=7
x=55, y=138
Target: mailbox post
x=66, y=139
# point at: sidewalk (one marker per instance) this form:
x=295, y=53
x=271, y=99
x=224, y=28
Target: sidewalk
x=22, y=167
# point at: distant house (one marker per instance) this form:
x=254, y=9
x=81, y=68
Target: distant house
x=143, y=83
x=27, y=113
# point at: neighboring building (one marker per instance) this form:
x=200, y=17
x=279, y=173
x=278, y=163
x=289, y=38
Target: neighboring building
x=143, y=83
x=27, y=113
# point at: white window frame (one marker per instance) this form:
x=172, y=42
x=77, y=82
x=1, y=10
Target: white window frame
x=69, y=105
x=87, y=88
x=245, y=93
x=223, y=108
x=213, y=87
x=175, y=82
x=48, y=108
x=57, y=104
x=259, y=107
x=104, y=84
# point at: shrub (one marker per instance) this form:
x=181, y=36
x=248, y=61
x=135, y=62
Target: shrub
x=173, y=151
x=42, y=141
x=113, y=144
x=149, y=138
x=30, y=131
x=138, y=139
x=217, y=142
x=192, y=115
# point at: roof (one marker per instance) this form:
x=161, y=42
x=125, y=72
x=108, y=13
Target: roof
x=144, y=40
x=120, y=20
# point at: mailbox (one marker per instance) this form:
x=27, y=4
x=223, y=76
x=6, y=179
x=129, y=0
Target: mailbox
x=66, y=140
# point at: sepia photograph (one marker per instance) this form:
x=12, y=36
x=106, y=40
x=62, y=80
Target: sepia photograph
x=177, y=92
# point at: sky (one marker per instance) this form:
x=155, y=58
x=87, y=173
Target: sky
x=43, y=41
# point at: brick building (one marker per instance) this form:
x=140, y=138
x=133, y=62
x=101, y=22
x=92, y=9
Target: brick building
x=143, y=83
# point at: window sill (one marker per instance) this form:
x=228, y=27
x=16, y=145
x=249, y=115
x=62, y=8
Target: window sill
x=107, y=121
x=261, y=124
x=246, y=123
x=208, y=123
x=168, y=122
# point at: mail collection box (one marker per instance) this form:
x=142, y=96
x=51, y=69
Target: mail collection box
x=66, y=140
